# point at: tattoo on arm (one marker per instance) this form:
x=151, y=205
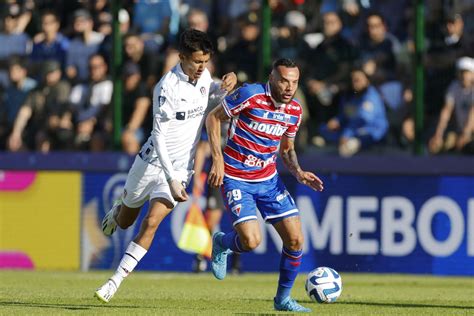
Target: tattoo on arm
x=291, y=161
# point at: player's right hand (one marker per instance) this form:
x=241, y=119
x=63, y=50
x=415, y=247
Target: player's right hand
x=178, y=192
x=215, y=178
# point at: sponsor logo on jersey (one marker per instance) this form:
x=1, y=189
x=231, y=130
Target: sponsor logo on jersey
x=270, y=129
x=181, y=116
x=253, y=161
x=244, y=105
x=196, y=112
x=236, y=209
x=259, y=101
x=161, y=100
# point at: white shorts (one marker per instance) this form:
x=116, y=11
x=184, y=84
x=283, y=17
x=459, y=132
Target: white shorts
x=146, y=182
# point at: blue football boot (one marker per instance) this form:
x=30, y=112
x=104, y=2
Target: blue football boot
x=219, y=256
x=290, y=305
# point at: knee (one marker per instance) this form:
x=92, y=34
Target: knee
x=250, y=242
x=151, y=223
x=295, y=242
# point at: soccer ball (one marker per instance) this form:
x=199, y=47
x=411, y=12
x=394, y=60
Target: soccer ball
x=323, y=285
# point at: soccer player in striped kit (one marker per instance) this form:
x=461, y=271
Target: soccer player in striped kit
x=165, y=163
x=264, y=121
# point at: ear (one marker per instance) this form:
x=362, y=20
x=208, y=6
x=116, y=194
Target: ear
x=181, y=57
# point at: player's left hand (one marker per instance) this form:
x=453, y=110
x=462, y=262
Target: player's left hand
x=229, y=81
x=311, y=180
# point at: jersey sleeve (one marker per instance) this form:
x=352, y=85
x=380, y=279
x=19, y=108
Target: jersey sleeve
x=295, y=121
x=163, y=101
x=238, y=101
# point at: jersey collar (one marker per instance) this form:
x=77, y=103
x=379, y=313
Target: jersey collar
x=268, y=92
x=181, y=75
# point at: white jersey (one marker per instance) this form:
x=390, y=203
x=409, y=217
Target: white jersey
x=179, y=109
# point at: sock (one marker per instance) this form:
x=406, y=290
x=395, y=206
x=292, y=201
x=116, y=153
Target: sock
x=289, y=266
x=232, y=241
x=130, y=259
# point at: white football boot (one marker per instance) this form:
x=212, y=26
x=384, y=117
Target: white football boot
x=106, y=291
x=109, y=224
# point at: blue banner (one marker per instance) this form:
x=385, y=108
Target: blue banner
x=380, y=223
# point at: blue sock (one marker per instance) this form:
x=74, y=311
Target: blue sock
x=232, y=241
x=289, y=266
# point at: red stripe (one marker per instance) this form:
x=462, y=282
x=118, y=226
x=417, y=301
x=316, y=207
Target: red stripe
x=235, y=154
x=295, y=263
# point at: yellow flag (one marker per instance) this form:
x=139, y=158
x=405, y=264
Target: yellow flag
x=195, y=236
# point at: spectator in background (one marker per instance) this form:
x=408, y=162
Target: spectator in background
x=147, y=62
x=89, y=103
x=43, y=122
x=460, y=100
x=13, y=41
x=241, y=57
x=329, y=70
x=377, y=51
x=441, y=59
x=361, y=121
x=17, y=92
x=86, y=43
x=195, y=19
x=289, y=42
x=136, y=115
x=50, y=44
x=105, y=28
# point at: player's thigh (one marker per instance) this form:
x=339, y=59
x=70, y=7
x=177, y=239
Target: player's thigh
x=290, y=232
x=141, y=180
x=275, y=202
x=239, y=200
x=249, y=232
x=158, y=210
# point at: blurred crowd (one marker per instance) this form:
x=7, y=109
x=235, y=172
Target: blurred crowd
x=355, y=56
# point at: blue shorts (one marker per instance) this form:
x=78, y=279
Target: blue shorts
x=270, y=197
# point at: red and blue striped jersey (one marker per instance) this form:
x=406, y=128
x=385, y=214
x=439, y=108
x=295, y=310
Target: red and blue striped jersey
x=257, y=126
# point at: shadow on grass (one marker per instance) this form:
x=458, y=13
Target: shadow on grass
x=406, y=305
x=63, y=306
x=381, y=304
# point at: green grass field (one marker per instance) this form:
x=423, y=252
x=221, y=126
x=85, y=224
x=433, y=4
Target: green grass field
x=59, y=293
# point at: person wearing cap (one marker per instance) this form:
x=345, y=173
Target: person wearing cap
x=459, y=100
x=85, y=44
x=43, y=122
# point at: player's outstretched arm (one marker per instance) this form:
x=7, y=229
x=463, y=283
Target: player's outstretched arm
x=213, y=126
x=288, y=155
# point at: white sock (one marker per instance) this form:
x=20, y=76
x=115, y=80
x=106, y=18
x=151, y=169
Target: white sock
x=130, y=259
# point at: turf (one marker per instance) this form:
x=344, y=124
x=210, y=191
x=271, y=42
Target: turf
x=63, y=293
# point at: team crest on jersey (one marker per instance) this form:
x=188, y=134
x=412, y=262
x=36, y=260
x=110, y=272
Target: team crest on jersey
x=236, y=209
x=161, y=100
x=203, y=91
x=181, y=116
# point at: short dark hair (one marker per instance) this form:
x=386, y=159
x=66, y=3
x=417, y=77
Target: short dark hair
x=192, y=40
x=286, y=62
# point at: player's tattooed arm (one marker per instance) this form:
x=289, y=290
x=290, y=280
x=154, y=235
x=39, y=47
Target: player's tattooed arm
x=290, y=159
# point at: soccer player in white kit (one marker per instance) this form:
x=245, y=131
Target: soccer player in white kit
x=164, y=165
